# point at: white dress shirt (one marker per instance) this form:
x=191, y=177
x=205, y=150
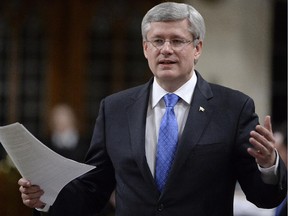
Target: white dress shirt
x=156, y=110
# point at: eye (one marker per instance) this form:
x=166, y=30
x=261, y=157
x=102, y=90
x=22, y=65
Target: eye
x=177, y=42
x=158, y=42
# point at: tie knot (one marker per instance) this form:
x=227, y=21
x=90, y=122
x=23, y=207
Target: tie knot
x=171, y=100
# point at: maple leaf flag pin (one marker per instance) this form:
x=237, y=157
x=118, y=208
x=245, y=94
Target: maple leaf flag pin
x=201, y=109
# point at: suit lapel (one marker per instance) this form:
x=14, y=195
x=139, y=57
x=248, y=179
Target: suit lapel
x=199, y=116
x=136, y=113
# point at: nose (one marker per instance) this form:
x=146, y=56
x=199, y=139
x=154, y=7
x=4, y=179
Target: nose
x=167, y=47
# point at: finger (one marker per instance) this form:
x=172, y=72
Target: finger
x=33, y=203
x=265, y=133
x=266, y=130
x=257, y=154
x=31, y=198
x=259, y=157
x=260, y=142
x=28, y=193
x=264, y=137
x=30, y=190
x=263, y=159
x=28, y=196
x=257, y=150
x=24, y=182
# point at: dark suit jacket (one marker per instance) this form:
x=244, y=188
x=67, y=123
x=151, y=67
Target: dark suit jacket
x=211, y=156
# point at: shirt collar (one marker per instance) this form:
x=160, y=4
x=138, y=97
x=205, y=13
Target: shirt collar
x=185, y=92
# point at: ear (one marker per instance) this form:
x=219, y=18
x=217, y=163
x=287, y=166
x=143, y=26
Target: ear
x=198, y=50
x=145, y=47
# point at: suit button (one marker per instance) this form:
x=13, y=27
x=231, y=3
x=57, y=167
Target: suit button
x=160, y=207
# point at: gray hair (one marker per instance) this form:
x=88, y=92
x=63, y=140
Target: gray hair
x=171, y=11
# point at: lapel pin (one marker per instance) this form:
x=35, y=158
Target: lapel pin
x=201, y=109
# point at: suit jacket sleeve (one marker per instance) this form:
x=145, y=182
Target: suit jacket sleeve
x=249, y=176
x=89, y=194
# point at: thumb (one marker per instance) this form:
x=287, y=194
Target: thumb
x=267, y=123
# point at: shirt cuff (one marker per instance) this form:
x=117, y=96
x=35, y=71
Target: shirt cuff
x=45, y=209
x=269, y=175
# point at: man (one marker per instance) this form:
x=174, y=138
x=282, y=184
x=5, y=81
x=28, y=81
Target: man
x=218, y=140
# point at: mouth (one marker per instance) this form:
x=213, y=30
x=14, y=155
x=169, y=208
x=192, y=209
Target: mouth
x=166, y=62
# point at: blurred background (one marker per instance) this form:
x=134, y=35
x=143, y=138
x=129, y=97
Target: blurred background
x=73, y=53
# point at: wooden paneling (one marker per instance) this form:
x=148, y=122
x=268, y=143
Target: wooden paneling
x=67, y=27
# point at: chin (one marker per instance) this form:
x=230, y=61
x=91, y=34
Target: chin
x=167, y=74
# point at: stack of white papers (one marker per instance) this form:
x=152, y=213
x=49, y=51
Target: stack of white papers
x=39, y=164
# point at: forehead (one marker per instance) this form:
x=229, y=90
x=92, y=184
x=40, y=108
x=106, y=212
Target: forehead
x=169, y=29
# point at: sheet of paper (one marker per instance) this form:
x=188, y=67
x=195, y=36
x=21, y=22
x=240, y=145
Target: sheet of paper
x=39, y=164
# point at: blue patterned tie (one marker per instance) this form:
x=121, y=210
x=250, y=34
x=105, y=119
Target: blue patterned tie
x=167, y=141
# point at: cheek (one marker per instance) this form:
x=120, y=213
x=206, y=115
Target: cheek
x=189, y=58
x=150, y=59
x=150, y=56
x=151, y=63
x=186, y=60
x=148, y=52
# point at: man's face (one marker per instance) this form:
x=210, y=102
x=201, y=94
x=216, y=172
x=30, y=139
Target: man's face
x=171, y=67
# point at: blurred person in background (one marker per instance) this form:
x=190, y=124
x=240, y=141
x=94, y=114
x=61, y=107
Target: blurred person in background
x=65, y=138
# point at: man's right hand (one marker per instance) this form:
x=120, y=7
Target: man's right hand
x=30, y=194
